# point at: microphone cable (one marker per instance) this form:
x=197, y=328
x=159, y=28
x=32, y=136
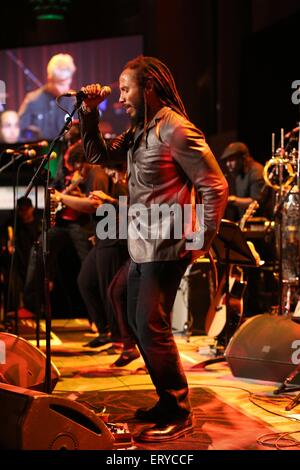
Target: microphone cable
x=57, y=100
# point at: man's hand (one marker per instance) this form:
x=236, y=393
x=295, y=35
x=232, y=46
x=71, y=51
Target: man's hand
x=57, y=196
x=242, y=202
x=102, y=196
x=95, y=95
x=232, y=199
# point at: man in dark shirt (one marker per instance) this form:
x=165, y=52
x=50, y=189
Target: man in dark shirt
x=40, y=117
x=245, y=179
x=246, y=185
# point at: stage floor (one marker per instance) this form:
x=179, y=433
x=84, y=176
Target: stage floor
x=229, y=407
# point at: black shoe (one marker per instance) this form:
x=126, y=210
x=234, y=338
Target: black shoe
x=127, y=356
x=101, y=340
x=166, y=431
x=152, y=415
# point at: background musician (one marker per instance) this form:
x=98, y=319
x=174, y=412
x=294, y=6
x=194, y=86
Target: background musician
x=18, y=244
x=68, y=241
x=103, y=276
x=245, y=179
x=246, y=185
x=40, y=117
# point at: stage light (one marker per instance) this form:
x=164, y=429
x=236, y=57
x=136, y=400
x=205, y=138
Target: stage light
x=50, y=10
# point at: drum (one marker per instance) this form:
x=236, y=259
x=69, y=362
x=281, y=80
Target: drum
x=193, y=298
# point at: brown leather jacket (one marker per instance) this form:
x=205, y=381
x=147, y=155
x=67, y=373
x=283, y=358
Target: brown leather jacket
x=164, y=165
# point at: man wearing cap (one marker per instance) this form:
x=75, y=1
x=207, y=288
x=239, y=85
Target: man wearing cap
x=245, y=178
x=40, y=117
x=246, y=184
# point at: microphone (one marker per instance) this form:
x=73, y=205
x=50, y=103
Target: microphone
x=26, y=152
x=53, y=156
x=80, y=95
x=41, y=144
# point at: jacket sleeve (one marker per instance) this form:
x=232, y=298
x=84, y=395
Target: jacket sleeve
x=192, y=153
x=96, y=149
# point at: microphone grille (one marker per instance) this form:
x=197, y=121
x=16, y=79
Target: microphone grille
x=53, y=156
x=30, y=153
x=106, y=89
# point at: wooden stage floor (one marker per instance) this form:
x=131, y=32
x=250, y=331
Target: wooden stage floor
x=87, y=372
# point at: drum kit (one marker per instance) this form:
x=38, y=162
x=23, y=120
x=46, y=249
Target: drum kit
x=282, y=174
x=277, y=240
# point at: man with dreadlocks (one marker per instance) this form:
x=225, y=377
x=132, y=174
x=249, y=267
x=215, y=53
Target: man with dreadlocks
x=167, y=157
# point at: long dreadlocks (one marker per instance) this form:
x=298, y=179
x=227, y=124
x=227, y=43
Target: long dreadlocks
x=163, y=81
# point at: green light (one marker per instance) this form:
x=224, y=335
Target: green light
x=50, y=16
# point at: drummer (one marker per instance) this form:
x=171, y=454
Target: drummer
x=245, y=178
x=246, y=184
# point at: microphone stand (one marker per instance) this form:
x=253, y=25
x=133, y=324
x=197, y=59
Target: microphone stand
x=45, y=227
x=27, y=72
x=15, y=158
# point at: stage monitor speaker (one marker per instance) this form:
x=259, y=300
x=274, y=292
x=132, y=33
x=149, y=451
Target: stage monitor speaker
x=193, y=297
x=22, y=364
x=33, y=420
x=265, y=347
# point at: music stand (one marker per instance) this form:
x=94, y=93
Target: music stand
x=231, y=248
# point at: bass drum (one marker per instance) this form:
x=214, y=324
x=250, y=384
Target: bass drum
x=193, y=298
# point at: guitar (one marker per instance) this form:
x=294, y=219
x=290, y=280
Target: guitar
x=218, y=321
x=76, y=180
x=60, y=210
x=248, y=213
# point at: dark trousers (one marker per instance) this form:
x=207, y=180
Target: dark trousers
x=96, y=274
x=117, y=294
x=60, y=240
x=60, y=237
x=152, y=289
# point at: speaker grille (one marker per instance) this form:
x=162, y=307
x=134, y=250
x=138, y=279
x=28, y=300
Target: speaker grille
x=23, y=364
x=265, y=347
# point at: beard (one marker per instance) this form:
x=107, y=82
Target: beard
x=139, y=117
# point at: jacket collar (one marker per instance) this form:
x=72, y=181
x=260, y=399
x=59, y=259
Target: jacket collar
x=158, y=116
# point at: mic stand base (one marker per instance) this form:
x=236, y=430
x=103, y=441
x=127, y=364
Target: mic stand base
x=214, y=360
x=293, y=403
x=286, y=386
